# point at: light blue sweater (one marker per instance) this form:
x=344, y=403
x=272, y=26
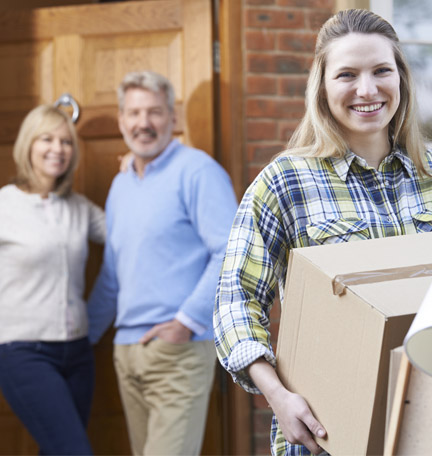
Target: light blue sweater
x=167, y=234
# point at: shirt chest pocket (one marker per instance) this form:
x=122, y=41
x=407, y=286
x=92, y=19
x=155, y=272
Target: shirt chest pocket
x=337, y=230
x=423, y=221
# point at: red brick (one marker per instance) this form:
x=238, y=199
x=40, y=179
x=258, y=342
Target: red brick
x=280, y=64
x=316, y=19
x=296, y=41
x=260, y=63
x=260, y=40
x=259, y=402
x=292, y=64
x=261, y=85
x=262, y=421
x=292, y=109
x=260, y=2
x=274, y=335
x=322, y=4
x=259, y=130
x=275, y=312
x=262, y=444
x=293, y=86
x=263, y=153
x=252, y=172
x=268, y=108
x=286, y=129
x=276, y=309
x=262, y=108
x=274, y=18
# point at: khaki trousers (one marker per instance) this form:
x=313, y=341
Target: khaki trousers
x=165, y=391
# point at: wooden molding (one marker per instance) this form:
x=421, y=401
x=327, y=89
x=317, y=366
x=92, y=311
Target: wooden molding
x=231, y=92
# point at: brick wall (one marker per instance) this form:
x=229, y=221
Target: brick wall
x=278, y=42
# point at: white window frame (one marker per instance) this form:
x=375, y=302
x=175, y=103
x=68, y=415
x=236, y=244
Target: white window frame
x=384, y=8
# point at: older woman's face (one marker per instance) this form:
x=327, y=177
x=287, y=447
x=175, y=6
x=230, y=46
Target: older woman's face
x=362, y=84
x=51, y=154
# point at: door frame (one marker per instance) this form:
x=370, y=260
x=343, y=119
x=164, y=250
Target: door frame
x=229, y=129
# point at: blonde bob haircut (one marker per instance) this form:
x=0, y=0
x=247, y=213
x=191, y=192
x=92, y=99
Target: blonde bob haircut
x=319, y=134
x=40, y=120
x=146, y=80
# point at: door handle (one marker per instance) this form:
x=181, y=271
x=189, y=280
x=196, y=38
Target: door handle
x=66, y=99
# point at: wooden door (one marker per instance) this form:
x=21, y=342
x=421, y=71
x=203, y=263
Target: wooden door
x=85, y=50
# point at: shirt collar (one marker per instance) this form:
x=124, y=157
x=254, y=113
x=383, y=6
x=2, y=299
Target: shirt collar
x=343, y=164
x=160, y=159
x=406, y=161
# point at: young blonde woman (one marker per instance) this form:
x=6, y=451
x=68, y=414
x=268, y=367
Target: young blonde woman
x=46, y=362
x=356, y=168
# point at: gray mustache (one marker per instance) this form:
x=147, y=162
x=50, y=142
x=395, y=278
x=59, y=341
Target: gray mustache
x=148, y=131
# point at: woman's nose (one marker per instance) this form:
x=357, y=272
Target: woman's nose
x=367, y=87
x=57, y=144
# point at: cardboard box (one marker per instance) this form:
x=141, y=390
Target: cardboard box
x=345, y=307
x=416, y=424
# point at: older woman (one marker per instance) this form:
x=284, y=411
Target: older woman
x=46, y=362
x=356, y=168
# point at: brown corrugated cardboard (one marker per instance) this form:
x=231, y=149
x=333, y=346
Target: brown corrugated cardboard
x=334, y=349
x=416, y=424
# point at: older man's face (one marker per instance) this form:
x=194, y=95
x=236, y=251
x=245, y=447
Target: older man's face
x=146, y=122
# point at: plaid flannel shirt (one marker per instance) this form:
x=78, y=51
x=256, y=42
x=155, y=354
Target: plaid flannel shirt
x=298, y=202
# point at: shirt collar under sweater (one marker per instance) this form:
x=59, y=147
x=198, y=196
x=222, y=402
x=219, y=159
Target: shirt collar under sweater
x=158, y=161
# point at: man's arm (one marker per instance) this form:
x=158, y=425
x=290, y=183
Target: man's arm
x=102, y=303
x=212, y=206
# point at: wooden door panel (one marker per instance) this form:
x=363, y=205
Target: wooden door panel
x=86, y=50
x=107, y=59
x=24, y=81
x=7, y=165
x=101, y=155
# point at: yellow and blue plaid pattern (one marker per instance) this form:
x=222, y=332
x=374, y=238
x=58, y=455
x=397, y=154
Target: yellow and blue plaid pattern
x=298, y=202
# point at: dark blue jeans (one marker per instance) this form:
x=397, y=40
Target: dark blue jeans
x=49, y=385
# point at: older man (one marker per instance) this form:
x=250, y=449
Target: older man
x=168, y=220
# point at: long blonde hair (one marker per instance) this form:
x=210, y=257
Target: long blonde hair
x=39, y=120
x=319, y=134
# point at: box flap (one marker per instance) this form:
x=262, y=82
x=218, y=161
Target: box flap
x=397, y=297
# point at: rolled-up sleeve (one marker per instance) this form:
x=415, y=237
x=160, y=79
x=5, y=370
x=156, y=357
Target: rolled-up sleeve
x=255, y=257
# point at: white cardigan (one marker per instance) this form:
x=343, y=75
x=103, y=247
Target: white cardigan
x=43, y=253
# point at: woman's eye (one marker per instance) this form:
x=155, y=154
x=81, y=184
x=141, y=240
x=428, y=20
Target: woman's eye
x=346, y=74
x=382, y=70
x=67, y=142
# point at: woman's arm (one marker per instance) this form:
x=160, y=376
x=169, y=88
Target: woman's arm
x=97, y=225
x=295, y=418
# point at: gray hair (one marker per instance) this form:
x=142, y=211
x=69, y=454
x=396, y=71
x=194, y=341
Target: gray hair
x=146, y=80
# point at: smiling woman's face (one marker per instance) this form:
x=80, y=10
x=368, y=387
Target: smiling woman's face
x=362, y=85
x=51, y=154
